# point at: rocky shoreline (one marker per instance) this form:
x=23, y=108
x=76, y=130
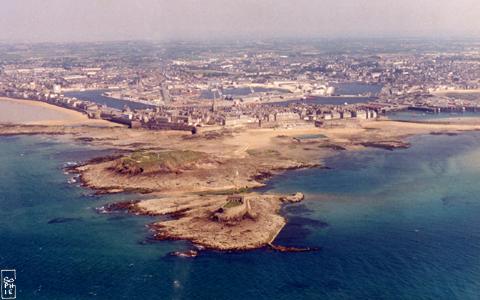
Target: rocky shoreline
x=266, y=217
x=185, y=215
x=193, y=220
x=205, y=184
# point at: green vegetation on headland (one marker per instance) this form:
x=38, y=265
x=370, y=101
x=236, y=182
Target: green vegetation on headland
x=142, y=162
x=225, y=192
x=267, y=152
x=230, y=204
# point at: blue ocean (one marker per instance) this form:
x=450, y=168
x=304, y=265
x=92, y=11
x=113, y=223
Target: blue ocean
x=399, y=224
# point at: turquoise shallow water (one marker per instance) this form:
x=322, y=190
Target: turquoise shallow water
x=391, y=225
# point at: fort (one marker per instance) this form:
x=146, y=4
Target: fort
x=235, y=209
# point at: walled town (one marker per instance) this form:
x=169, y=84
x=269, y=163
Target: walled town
x=259, y=109
x=257, y=85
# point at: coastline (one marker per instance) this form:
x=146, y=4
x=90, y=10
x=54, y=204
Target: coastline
x=444, y=92
x=187, y=217
x=53, y=115
x=193, y=192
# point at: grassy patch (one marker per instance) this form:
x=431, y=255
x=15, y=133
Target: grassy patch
x=231, y=204
x=311, y=136
x=164, y=161
x=225, y=192
x=267, y=152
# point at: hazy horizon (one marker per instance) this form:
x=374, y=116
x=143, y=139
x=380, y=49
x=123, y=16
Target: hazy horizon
x=109, y=20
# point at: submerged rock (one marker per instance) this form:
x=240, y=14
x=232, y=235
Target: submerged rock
x=291, y=249
x=188, y=253
x=62, y=220
x=386, y=145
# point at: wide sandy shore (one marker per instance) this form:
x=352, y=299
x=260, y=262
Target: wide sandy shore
x=16, y=111
x=445, y=92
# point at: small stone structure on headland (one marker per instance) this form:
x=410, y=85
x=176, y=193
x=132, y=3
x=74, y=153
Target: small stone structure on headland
x=235, y=209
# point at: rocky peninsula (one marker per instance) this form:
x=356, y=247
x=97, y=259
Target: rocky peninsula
x=206, y=182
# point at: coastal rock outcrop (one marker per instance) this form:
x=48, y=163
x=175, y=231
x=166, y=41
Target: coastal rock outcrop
x=297, y=197
x=235, y=222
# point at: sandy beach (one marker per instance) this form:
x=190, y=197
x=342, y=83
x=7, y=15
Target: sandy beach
x=15, y=111
x=445, y=92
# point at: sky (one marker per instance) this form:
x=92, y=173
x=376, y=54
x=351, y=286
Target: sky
x=107, y=20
